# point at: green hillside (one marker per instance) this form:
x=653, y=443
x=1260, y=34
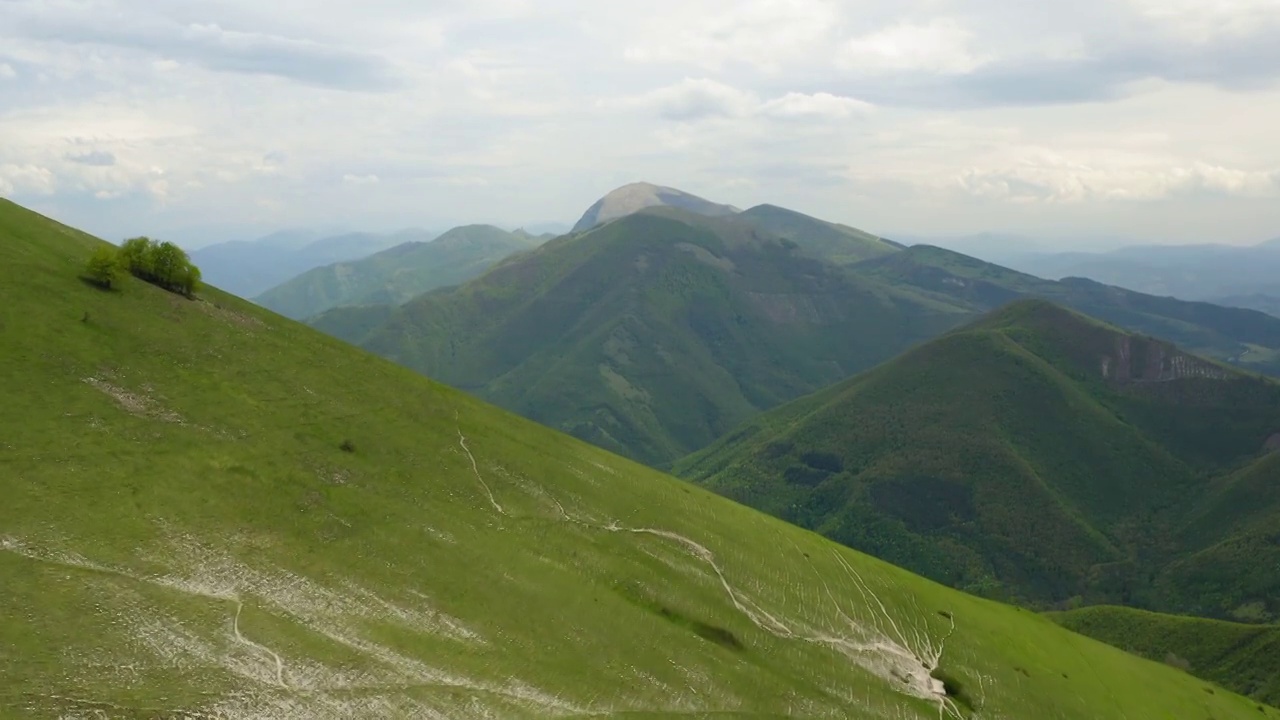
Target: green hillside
x=211, y=511
x=1248, y=338
x=396, y=275
x=818, y=238
x=1245, y=658
x=1036, y=455
x=653, y=334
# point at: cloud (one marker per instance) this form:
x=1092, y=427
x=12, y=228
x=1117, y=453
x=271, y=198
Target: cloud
x=350, y=179
x=700, y=99
x=1056, y=180
x=98, y=158
x=7, y=72
x=207, y=45
x=26, y=180
x=940, y=46
x=817, y=105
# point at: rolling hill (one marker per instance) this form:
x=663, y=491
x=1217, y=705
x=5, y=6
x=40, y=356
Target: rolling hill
x=639, y=196
x=212, y=511
x=1247, y=338
x=249, y=268
x=1245, y=658
x=653, y=334
x=1036, y=455
x=816, y=238
x=396, y=275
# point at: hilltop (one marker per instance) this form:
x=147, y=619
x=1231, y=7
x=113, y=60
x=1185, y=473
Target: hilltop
x=212, y=511
x=1036, y=455
x=396, y=275
x=653, y=334
x=635, y=197
x=1245, y=658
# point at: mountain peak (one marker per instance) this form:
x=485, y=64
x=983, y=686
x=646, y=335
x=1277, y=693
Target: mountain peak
x=637, y=196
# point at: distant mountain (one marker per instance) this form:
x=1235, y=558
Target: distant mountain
x=632, y=198
x=1035, y=455
x=1269, y=304
x=394, y=276
x=1243, y=658
x=1191, y=272
x=247, y=268
x=1245, y=337
x=653, y=334
x=816, y=238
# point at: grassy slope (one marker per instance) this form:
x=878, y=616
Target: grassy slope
x=1245, y=658
x=653, y=334
x=1244, y=336
x=398, y=274
x=182, y=536
x=999, y=459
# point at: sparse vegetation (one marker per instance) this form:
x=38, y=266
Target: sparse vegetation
x=104, y=268
x=163, y=264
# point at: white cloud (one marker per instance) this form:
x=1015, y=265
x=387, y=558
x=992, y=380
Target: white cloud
x=940, y=46
x=935, y=115
x=817, y=105
x=26, y=179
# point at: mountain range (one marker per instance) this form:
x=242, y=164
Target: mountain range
x=654, y=333
x=247, y=268
x=1035, y=455
x=398, y=274
x=213, y=511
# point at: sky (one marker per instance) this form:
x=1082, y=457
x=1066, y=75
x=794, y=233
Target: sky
x=208, y=120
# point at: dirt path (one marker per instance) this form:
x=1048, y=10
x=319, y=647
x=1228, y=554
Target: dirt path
x=235, y=628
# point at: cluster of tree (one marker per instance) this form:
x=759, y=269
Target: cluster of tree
x=159, y=263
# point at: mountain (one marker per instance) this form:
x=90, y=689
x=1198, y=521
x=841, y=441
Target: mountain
x=1248, y=338
x=820, y=239
x=1244, y=658
x=212, y=511
x=249, y=268
x=1269, y=304
x=635, y=197
x=398, y=274
x=1036, y=455
x=1191, y=272
x=653, y=334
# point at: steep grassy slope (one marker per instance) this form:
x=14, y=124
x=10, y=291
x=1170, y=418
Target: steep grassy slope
x=1036, y=455
x=1245, y=658
x=653, y=334
x=396, y=275
x=1245, y=337
x=840, y=244
x=182, y=536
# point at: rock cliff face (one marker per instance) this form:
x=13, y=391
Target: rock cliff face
x=1148, y=360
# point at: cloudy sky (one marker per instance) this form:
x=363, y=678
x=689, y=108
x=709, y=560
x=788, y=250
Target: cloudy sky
x=1149, y=119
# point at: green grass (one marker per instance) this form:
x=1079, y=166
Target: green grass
x=183, y=535
x=396, y=275
x=1037, y=456
x=1244, y=658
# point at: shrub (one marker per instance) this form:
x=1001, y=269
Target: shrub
x=347, y=446
x=104, y=267
x=161, y=263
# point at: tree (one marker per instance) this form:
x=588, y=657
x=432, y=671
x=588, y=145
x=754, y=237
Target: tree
x=104, y=267
x=161, y=263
